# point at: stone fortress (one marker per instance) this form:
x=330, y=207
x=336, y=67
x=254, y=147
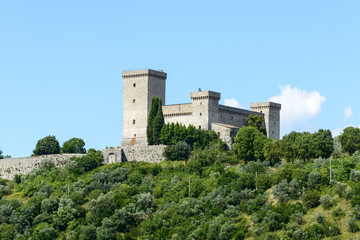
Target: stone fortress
x=204, y=112
x=140, y=87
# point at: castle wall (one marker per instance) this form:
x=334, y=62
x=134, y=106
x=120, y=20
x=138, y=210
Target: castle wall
x=15, y=166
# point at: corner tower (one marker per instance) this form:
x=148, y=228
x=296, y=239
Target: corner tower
x=271, y=113
x=140, y=87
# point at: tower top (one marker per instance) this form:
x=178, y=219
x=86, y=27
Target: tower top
x=144, y=73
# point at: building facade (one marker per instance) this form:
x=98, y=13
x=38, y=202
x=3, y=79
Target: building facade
x=204, y=111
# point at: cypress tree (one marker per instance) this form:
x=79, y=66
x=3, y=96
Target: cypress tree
x=152, y=115
x=158, y=123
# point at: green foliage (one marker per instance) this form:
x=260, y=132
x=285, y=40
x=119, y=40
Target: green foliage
x=350, y=140
x=91, y=160
x=74, y=145
x=207, y=198
x=311, y=199
x=47, y=145
x=7, y=231
x=249, y=144
x=256, y=122
x=179, y=151
x=155, y=121
x=306, y=146
x=272, y=151
x=172, y=133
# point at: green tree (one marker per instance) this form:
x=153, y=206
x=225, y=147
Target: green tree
x=158, y=124
x=256, y=122
x=1, y=156
x=74, y=145
x=152, y=114
x=155, y=122
x=272, y=151
x=324, y=143
x=350, y=140
x=47, y=145
x=7, y=231
x=249, y=144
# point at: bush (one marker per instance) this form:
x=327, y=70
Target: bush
x=325, y=202
x=311, y=199
x=338, y=213
x=355, y=175
x=47, y=145
x=90, y=161
x=314, y=179
x=353, y=226
x=179, y=151
x=340, y=189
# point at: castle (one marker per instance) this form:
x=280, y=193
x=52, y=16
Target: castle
x=140, y=87
x=204, y=111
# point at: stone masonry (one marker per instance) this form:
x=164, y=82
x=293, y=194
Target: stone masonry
x=10, y=167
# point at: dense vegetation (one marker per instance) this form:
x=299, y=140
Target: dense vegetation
x=216, y=195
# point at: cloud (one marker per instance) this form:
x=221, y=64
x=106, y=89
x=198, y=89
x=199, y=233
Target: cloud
x=232, y=102
x=348, y=112
x=297, y=106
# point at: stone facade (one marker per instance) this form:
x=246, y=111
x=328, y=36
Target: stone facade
x=141, y=86
x=15, y=166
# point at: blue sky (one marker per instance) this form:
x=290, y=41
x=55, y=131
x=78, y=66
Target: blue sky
x=61, y=62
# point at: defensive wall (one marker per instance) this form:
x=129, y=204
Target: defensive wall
x=10, y=167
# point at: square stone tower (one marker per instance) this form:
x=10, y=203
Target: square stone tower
x=205, y=106
x=271, y=113
x=140, y=87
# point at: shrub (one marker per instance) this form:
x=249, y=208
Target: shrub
x=340, y=189
x=319, y=217
x=355, y=175
x=338, y=213
x=179, y=151
x=325, y=202
x=353, y=226
x=314, y=179
x=74, y=145
x=311, y=199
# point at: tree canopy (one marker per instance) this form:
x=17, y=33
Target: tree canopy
x=256, y=122
x=47, y=145
x=350, y=140
x=74, y=145
x=249, y=144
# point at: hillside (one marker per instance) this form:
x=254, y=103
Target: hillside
x=207, y=198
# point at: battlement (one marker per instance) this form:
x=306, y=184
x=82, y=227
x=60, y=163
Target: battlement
x=205, y=94
x=265, y=105
x=144, y=73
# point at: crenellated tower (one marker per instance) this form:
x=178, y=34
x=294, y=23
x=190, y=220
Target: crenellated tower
x=140, y=87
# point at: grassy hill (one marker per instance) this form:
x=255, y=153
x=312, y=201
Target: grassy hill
x=209, y=197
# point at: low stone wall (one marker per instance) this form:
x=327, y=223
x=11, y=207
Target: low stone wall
x=14, y=166
x=149, y=154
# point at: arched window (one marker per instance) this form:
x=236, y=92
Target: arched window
x=134, y=121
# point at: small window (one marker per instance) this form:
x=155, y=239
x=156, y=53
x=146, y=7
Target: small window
x=134, y=135
x=200, y=103
x=243, y=120
x=232, y=117
x=274, y=123
x=260, y=111
x=133, y=100
x=134, y=85
x=200, y=114
x=199, y=127
x=134, y=121
x=220, y=116
x=273, y=132
x=219, y=134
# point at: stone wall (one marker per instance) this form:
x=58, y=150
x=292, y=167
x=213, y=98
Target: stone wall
x=134, y=153
x=14, y=166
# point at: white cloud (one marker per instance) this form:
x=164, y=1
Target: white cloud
x=348, y=112
x=297, y=106
x=232, y=102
